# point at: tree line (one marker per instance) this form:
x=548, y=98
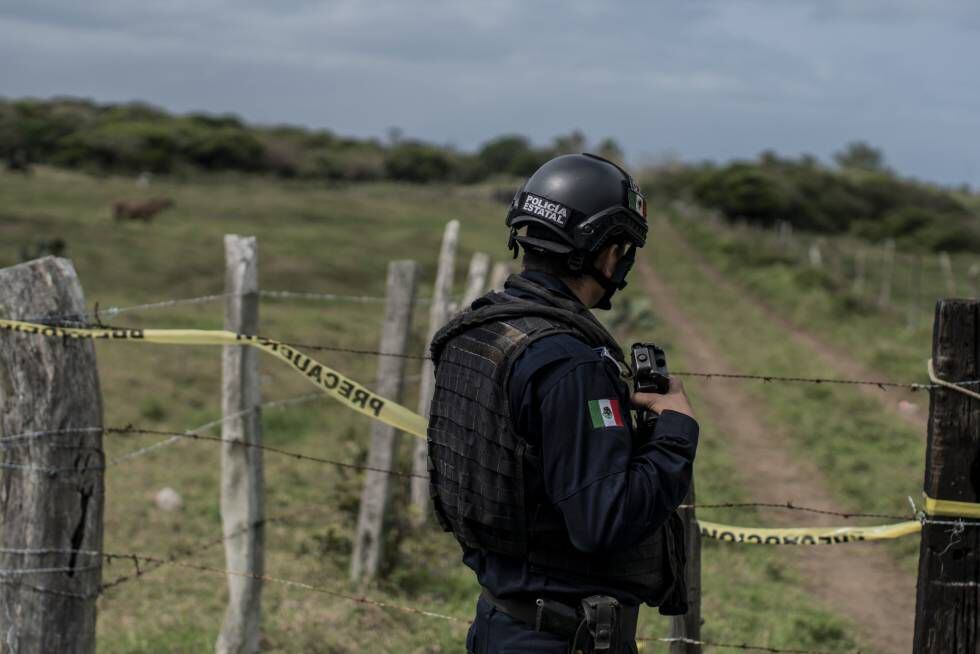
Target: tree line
x=136, y=137
x=858, y=194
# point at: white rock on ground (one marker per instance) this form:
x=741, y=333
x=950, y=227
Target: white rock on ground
x=167, y=499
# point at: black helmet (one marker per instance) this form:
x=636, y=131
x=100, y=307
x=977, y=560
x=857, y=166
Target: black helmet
x=573, y=206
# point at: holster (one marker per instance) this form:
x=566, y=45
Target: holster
x=601, y=615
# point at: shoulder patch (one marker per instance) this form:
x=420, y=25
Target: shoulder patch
x=605, y=413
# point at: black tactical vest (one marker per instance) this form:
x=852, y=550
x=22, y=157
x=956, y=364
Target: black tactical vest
x=486, y=480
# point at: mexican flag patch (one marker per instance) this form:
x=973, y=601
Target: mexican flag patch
x=605, y=413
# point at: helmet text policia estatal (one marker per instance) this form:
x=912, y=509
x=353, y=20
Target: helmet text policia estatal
x=575, y=205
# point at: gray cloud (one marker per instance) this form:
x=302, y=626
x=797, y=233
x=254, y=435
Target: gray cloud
x=699, y=78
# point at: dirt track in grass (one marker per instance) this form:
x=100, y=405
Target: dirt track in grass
x=845, y=365
x=859, y=581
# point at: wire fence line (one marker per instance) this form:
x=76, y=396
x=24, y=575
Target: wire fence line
x=192, y=435
x=790, y=506
x=80, y=318
x=404, y=608
x=191, y=549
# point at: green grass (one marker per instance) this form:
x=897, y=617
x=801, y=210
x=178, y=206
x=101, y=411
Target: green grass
x=872, y=459
x=339, y=239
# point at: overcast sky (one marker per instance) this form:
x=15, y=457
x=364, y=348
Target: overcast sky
x=687, y=78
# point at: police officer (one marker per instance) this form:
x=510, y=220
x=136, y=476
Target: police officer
x=565, y=510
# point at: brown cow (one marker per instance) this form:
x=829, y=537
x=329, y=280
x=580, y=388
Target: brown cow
x=144, y=210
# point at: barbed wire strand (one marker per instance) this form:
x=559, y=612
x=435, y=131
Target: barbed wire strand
x=80, y=317
x=19, y=583
x=768, y=378
x=331, y=297
x=14, y=572
x=266, y=448
x=362, y=599
x=791, y=507
x=744, y=646
x=188, y=550
x=41, y=551
x=308, y=397
x=191, y=435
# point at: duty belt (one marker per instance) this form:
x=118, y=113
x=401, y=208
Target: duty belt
x=598, y=624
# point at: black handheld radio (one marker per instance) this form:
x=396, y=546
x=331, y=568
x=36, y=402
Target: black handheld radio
x=649, y=376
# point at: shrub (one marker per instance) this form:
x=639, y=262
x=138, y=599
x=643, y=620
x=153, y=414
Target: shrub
x=417, y=162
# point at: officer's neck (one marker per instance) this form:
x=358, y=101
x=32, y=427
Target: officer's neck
x=586, y=289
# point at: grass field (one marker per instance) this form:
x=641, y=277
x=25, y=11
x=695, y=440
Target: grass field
x=339, y=240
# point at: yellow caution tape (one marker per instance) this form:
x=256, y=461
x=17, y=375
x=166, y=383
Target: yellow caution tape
x=341, y=388
x=806, y=535
x=355, y=396
x=951, y=508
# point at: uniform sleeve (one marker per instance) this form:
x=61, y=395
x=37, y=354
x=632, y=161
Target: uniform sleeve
x=610, y=492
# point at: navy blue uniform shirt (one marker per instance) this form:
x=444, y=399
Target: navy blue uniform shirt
x=611, y=489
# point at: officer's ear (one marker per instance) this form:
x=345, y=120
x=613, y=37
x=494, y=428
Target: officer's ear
x=608, y=257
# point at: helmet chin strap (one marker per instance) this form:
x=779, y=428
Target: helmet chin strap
x=615, y=283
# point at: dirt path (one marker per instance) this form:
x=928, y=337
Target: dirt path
x=859, y=581
x=845, y=365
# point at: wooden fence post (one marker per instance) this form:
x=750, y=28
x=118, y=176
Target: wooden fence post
x=376, y=494
x=887, y=267
x=438, y=314
x=946, y=265
x=815, y=256
x=49, y=384
x=242, y=485
x=499, y=275
x=946, y=616
x=689, y=624
x=476, y=279
x=858, y=288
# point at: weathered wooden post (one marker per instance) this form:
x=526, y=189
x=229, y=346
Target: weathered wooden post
x=689, y=625
x=242, y=486
x=887, y=268
x=476, y=279
x=51, y=508
x=499, y=275
x=438, y=314
x=376, y=494
x=815, y=256
x=946, y=265
x=859, y=259
x=947, y=616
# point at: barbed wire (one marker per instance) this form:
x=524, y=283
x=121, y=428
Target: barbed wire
x=189, y=550
x=174, y=435
x=19, y=583
x=41, y=551
x=332, y=297
x=766, y=378
x=191, y=435
x=744, y=646
x=791, y=507
x=15, y=572
x=769, y=378
x=79, y=318
x=308, y=397
x=129, y=429
x=363, y=599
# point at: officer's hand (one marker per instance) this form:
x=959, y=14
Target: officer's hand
x=674, y=399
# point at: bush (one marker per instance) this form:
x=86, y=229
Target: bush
x=417, y=162
x=866, y=199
